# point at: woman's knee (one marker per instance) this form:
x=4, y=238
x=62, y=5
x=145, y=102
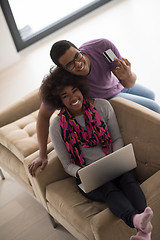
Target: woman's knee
x=129, y=177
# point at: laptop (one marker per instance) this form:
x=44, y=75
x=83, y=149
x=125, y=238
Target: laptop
x=107, y=168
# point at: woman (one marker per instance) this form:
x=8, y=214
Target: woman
x=86, y=130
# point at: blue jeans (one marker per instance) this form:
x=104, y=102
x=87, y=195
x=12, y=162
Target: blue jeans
x=140, y=94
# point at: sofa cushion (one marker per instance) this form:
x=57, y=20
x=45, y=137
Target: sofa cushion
x=72, y=205
x=10, y=163
x=20, y=136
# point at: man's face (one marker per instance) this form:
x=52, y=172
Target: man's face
x=75, y=62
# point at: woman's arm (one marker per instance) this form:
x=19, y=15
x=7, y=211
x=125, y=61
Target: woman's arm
x=114, y=131
x=107, y=113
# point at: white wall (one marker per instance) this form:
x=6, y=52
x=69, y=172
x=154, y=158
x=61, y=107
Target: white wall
x=8, y=52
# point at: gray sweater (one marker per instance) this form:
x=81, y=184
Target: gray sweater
x=90, y=154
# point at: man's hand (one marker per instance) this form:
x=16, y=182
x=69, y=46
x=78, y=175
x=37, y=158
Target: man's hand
x=38, y=162
x=42, y=135
x=123, y=73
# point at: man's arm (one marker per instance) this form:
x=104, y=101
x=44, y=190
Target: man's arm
x=42, y=135
x=123, y=72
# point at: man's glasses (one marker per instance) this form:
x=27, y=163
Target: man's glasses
x=69, y=66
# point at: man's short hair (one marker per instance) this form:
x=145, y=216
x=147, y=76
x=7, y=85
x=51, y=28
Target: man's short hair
x=58, y=49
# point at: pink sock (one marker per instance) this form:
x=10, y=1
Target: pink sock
x=141, y=236
x=142, y=221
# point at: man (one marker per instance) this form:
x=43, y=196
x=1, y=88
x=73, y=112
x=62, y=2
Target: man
x=106, y=80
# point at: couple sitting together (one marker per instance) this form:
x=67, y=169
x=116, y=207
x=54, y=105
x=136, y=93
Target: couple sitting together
x=86, y=128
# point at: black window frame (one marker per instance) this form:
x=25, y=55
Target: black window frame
x=20, y=44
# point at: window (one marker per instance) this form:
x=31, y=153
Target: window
x=31, y=20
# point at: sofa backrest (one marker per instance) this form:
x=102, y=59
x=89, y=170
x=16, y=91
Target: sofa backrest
x=141, y=127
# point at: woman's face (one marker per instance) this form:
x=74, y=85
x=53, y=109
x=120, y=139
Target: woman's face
x=72, y=98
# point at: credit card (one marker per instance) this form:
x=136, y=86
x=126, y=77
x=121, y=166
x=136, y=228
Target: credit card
x=109, y=54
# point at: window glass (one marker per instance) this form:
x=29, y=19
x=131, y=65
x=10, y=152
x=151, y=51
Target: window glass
x=33, y=15
x=32, y=20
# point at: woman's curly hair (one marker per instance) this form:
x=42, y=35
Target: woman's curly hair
x=54, y=83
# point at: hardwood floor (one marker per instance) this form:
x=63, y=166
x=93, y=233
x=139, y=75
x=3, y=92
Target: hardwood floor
x=23, y=218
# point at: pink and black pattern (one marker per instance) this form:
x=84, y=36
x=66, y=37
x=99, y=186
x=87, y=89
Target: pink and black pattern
x=76, y=136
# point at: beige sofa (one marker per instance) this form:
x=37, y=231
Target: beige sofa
x=57, y=191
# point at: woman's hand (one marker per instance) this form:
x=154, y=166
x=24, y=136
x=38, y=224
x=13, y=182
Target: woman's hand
x=38, y=162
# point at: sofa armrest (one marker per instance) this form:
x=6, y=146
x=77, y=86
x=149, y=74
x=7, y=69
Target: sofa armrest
x=151, y=188
x=105, y=225
x=21, y=108
x=53, y=172
x=141, y=127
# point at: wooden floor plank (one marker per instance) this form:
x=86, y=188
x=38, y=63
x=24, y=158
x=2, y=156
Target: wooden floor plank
x=22, y=217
